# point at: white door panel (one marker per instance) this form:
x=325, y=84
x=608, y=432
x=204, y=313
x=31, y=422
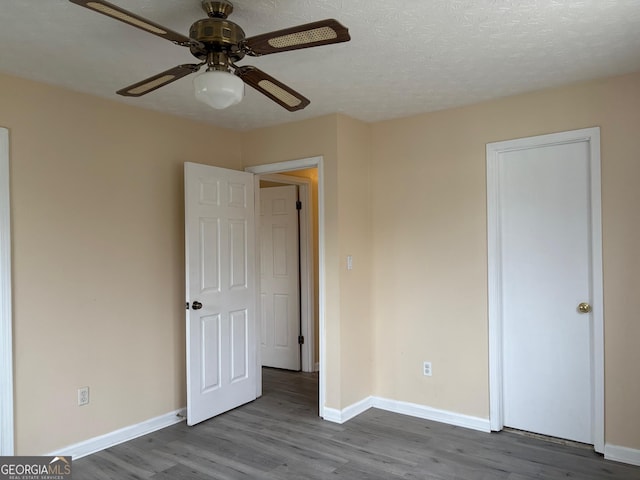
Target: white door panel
x=220, y=246
x=280, y=287
x=544, y=237
x=546, y=251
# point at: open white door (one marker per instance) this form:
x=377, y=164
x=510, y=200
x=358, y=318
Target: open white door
x=221, y=290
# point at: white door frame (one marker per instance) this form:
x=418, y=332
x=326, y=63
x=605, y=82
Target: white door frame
x=306, y=263
x=592, y=136
x=280, y=167
x=6, y=338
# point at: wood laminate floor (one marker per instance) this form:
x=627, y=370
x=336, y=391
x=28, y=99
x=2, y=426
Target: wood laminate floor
x=280, y=436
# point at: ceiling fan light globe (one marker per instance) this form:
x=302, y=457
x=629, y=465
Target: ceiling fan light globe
x=219, y=89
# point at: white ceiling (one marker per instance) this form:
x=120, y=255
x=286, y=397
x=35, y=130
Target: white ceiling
x=405, y=56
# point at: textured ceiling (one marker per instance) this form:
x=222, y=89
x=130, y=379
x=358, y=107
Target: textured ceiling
x=405, y=57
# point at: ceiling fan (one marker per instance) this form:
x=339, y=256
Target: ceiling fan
x=219, y=44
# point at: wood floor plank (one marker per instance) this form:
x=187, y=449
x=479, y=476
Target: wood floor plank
x=280, y=437
x=212, y=463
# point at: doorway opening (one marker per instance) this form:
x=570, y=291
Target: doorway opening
x=307, y=174
x=288, y=266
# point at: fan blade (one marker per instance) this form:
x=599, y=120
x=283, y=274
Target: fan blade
x=160, y=80
x=125, y=16
x=272, y=88
x=314, y=34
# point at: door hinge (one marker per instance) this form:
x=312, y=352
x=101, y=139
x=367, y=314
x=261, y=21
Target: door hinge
x=298, y=205
x=301, y=340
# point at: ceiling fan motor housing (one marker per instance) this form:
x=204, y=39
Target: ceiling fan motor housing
x=217, y=35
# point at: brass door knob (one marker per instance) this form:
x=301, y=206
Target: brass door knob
x=584, y=307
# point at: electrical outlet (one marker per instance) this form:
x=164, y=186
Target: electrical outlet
x=83, y=396
x=426, y=369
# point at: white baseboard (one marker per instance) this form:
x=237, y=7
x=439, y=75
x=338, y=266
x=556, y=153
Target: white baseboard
x=428, y=413
x=356, y=409
x=406, y=408
x=622, y=454
x=93, y=445
x=332, y=415
x=340, y=416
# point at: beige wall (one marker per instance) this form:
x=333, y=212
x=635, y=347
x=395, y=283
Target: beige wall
x=354, y=212
x=98, y=250
x=429, y=242
x=98, y=270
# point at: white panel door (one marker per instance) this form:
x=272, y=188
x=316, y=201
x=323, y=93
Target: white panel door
x=279, y=280
x=221, y=290
x=546, y=259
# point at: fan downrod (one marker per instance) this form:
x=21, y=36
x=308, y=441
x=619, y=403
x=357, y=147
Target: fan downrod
x=217, y=8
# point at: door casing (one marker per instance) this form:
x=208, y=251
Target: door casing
x=287, y=166
x=493, y=150
x=6, y=338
